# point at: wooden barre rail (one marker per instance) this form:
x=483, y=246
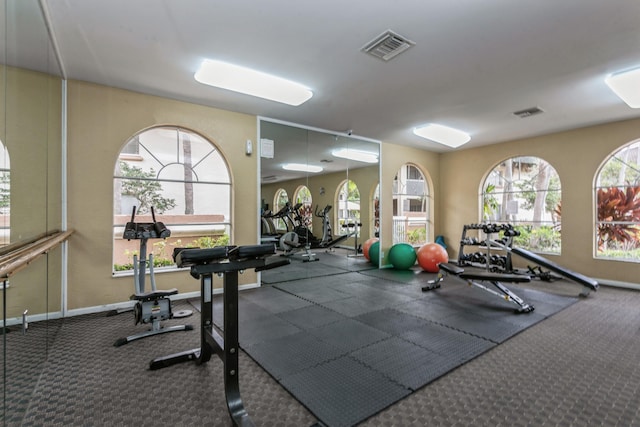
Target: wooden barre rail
x=17, y=256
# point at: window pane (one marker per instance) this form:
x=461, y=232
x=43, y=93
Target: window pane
x=526, y=193
x=186, y=181
x=617, y=196
x=410, y=206
x=5, y=197
x=348, y=207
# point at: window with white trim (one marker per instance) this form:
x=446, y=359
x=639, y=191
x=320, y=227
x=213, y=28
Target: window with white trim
x=410, y=206
x=525, y=192
x=617, y=205
x=186, y=180
x=348, y=208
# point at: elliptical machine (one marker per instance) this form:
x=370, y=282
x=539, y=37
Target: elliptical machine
x=302, y=238
x=154, y=306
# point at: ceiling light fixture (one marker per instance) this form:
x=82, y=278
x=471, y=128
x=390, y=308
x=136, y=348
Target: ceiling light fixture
x=301, y=167
x=356, y=155
x=442, y=135
x=626, y=85
x=251, y=82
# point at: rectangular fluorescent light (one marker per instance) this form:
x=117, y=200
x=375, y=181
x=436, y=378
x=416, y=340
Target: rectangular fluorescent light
x=626, y=85
x=251, y=82
x=357, y=155
x=301, y=167
x=442, y=135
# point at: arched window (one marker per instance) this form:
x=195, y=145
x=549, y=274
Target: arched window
x=525, y=192
x=5, y=196
x=410, y=206
x=617, y=198
x=185, y=179
x=282, y=220
x=348, y=207
x=305, y=212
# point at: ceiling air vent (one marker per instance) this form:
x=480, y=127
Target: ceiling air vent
x=528, y=112
x=387, y=45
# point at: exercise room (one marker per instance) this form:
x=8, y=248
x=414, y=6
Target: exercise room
x=329, y=215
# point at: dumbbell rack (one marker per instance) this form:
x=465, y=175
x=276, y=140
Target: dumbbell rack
x=484, y=258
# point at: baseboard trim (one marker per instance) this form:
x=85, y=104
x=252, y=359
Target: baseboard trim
x=12, y=321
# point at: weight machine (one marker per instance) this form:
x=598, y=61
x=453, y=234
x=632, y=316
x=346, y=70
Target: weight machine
x=154, y=306
x=227, y=261
x=301, y=237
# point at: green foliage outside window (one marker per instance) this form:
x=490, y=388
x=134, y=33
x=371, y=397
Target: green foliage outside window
x=144, y=187
x=160, y=257
x=618, y=230
x=618, y=205
x=5, y=189
x=417, y=236
x=542, y=238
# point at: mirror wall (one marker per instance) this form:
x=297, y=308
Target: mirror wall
x=336, y=201
x=30, y=192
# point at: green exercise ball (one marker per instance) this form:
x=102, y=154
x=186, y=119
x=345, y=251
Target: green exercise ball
x=402, y=256
x=374, y=253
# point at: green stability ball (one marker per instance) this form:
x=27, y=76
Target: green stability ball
x=402, y=256
x=374, y=253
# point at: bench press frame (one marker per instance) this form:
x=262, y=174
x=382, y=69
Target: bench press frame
x=588, y=284
x=227, y=261
x=474, y=279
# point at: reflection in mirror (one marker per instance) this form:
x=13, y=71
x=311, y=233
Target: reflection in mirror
x=331, y=180
x=5, y=195
x=30, y=135
x=410, y=206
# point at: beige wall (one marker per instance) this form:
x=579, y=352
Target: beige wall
x=100, y=121
x=31, y=131
x=576, y=155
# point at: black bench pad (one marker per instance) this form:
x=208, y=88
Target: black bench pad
x=495, y=277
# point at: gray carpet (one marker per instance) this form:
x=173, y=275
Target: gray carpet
x=578, y=367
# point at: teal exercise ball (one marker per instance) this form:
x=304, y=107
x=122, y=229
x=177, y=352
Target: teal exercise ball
x=374, y=253
x=402, y=256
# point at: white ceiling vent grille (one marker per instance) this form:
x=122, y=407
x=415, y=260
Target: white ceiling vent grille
x=387, y=45
x=528, y=112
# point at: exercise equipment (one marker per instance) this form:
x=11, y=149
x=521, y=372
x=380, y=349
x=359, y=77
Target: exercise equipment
x=227, y=261
x=588, y=283
x=440, y=240
x=301, y=237
x=475, y=279
x=353, y=229
x=545, y=276
x=430, y=255
x=486, y=259
x=367, y=244
x=154, y=306
x=374, y=253
x=402, y=256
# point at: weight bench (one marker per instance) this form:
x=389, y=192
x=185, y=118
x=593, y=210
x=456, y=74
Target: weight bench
x=474, y=279
x=227, y=261
x=588, y=283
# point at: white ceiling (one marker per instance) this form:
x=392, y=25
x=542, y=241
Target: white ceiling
x=474, y=62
